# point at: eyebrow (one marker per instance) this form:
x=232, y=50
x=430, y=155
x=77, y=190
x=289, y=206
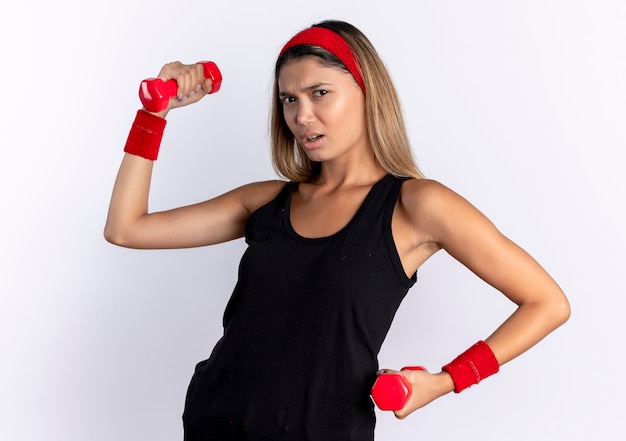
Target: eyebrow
x=305, y=89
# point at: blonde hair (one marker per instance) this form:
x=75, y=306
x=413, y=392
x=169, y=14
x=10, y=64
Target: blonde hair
x=385, y=122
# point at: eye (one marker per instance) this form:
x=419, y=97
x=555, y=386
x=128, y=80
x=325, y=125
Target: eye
x=319, y=93
x=287, y=99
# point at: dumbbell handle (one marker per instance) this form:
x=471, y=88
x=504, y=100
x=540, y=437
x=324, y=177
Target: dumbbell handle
x=155, y=93
x=392, y=391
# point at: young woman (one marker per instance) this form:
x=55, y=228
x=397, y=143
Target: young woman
x=332, y=250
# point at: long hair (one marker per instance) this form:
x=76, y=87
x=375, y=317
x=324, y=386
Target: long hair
x=384, y=119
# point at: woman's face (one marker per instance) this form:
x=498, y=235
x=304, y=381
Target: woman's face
x=324, y=108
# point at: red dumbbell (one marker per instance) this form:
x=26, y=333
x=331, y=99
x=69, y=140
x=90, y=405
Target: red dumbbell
x=392, y=391
x=155, y=93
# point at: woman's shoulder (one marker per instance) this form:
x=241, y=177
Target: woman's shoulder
x=271, y=185
x=256, y=194
x=429, y=197
x=424, y=190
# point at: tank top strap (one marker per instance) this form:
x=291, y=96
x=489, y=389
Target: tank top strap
x=391, y=196
x=383, y=196
x=393, y=192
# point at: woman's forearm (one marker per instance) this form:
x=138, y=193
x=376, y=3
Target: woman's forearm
x=528, y=325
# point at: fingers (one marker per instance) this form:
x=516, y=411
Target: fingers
x=207, y=86
x=196, y=93
x=190, y=82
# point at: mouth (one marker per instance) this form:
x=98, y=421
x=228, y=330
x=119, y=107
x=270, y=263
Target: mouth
x=311, y=141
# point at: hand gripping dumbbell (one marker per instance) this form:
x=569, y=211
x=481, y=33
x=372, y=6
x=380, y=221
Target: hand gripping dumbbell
x=392, y=391
x=155, y=93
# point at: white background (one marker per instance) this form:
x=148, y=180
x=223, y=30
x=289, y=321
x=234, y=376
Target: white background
x=518, y=105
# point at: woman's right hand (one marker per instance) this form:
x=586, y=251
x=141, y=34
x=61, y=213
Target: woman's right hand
x=191, y=84
x=425, y=386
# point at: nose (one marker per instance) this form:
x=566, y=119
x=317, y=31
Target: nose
x=304, y=114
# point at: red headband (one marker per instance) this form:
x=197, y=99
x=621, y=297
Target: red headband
x=333, y=43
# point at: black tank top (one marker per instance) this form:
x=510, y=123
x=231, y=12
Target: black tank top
x=302, y=329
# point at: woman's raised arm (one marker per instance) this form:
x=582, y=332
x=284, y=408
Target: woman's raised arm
x=129, y=222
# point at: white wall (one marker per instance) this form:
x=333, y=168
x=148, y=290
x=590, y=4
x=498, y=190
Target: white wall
x=519, y=106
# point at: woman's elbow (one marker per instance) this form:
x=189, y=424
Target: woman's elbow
x=110, y=236
x=560, y=310
x=115, y=236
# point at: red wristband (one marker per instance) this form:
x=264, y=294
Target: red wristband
x=145, y=135
x=472, y=366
